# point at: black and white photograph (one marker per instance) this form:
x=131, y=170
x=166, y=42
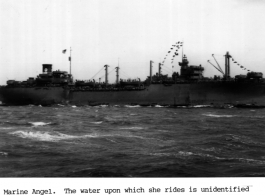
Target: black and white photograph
x=132, y=89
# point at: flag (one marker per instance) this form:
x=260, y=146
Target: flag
x=69, y=58
x=64, y=51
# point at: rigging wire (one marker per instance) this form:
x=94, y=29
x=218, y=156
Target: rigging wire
x=166, y=68
x=167, y=71
x=97, y=73
x=108, y=73
x=126, y=75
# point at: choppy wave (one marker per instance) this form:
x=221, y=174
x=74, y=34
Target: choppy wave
x=242, y=139
x=107, y=136
x=256, y=117
x=159, y=140
x=203, y=156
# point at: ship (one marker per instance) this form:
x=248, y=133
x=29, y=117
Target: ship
x=188, y=87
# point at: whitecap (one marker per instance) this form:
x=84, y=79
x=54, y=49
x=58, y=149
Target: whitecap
x=46, y=136
x=133, y=128
x=201, y=106
x=98, y=122
x=3, y=153
x=130, y=106
x=39, y=123
x=6, y=127
x=159, y=106
x=219, y=116
x=160, y=154
x=185, y=153
x=103, y=106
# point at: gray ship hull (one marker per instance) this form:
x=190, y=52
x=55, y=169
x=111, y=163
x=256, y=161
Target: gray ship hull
x=175, y=94
x=195, y=93
x=31, y=95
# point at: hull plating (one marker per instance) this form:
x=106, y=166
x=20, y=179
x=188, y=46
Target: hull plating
x=193, y=93
x=44, y=96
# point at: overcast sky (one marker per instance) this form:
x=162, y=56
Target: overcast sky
x=133, y=32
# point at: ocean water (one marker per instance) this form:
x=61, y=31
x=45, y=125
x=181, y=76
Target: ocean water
x=131, y=141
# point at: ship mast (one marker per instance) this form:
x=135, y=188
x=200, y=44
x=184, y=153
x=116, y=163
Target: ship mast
x=106, y=74
x=227, y=65
x=151, y=62
x=117, y=71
